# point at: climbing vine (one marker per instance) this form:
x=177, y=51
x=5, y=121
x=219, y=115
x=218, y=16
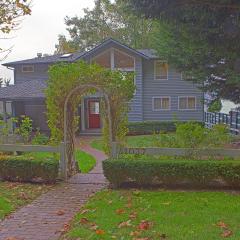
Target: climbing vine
x=115, y=87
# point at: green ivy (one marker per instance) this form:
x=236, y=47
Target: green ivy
x=64, y=77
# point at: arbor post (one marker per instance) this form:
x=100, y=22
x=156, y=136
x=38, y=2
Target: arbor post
x=62, y=164
x=114, y=153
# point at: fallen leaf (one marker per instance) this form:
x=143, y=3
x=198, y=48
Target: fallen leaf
x=100, y=232
x=94, y=226
x=120, y=211
x=65, y=228
x=133, y=215
x=144, y=225
x=135, y=233
x=23, y=196
x=60, y=212
x=222, y=224
x=84, y=211
x=227, y=233
x=125, y=224
x=84, y=221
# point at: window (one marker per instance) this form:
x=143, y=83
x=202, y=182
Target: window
x=103, y=59
x=94, y=107
x=123, y=61
x=161, y=70
x=161, y=103
x=187, y=103
x=27, y=68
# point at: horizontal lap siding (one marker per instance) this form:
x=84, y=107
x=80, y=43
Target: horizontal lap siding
x=36, y=110
x=173, y=87
x=40, y=73
x=136, y=108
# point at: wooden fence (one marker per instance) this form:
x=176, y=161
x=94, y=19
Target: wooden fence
x=40, y=148
x=232, y=120
x=234, y=153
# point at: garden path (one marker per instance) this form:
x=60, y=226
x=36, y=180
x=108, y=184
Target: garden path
x=47, y=217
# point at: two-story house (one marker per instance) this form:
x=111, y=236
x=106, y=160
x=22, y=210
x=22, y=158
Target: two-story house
x=161, y=92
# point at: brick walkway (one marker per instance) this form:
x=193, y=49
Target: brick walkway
x=44, y=218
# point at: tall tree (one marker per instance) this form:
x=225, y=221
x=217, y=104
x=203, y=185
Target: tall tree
x=106, y=20
x=201, y=38
x=11, y=12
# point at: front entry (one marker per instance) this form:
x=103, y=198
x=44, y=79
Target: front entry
x=94, y=113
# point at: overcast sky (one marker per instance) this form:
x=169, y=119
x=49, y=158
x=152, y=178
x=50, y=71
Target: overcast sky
x=39, y=31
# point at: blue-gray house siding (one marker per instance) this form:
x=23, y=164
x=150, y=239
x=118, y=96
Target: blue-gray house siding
x=136, y=106
x=141, y=106
x=40, y=73
x=173, y=87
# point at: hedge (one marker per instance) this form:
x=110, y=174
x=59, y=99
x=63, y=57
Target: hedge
x=153, y=172
x=27, y=169
x=150, y=127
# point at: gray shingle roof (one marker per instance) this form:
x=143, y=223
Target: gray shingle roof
x=151, y=53
x=47, y=59
x=145, y=53
x=25, y=90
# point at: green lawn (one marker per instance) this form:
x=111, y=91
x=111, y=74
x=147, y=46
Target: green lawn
x=85, y=161
x=15, y=195
x=156, y=215
x=134, y=141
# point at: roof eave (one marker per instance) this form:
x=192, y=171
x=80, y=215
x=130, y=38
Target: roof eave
x=104, y=43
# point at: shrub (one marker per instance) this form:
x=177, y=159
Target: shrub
x=27, y=169
x=150, y=127
x=190, y=134
x=150, y=171
x=40, y=139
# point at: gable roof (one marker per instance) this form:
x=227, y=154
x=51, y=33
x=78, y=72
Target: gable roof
x=144, y=53
x=113, y=41
x=25, y=90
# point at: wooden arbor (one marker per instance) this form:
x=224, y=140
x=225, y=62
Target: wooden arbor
x=69, y=134
x=67, y=84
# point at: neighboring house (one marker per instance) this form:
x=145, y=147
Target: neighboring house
x=161, y=93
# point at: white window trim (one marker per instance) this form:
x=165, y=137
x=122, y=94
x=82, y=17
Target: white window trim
x=155, y=62
x=187, y=109
x=28, y=66
x=158, y=110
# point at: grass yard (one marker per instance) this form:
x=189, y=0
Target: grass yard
x=15, y=195
x=156, y=215
x=85, y=161
x=133, y=141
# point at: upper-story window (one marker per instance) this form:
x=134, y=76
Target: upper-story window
x=160, y=70
x=187, y=103
x=115, y=59
x=27, y=68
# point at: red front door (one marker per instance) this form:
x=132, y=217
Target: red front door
x=94, y=113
